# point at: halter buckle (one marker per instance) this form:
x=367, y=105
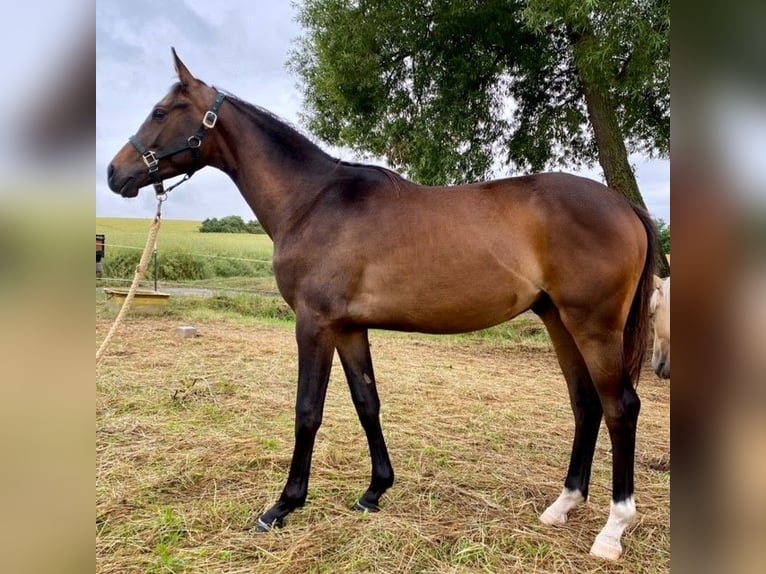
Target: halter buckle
x=209, y=119
x=150, y=159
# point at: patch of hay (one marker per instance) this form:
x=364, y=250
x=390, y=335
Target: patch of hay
x=194, y=438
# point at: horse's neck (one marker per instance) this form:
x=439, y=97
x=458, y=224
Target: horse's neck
x=277, y=183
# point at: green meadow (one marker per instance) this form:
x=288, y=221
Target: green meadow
x=186, y=256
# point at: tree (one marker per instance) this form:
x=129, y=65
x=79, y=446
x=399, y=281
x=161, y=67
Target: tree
x=449, y=91
x=664, y=236
x=621, y=59
x=254, y=226
x=230, y=224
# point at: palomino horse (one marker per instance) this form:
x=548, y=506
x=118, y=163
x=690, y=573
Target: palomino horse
x=659, y=308
x=359, y=247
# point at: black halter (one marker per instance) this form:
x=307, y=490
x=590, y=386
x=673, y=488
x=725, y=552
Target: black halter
x=193, y=143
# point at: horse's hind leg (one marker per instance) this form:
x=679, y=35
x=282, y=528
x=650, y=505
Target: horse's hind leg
x=354, y=351
x=586, y=408
x=602, y=350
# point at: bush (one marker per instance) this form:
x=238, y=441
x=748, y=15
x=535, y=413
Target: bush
x=255, y=227
x=178, y=266
x=173, y=266
x=121, y=263
x=182, y=266
x=230, y=224
x=238, y=268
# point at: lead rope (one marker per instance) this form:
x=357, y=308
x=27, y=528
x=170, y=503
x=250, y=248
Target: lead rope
x=137, y=277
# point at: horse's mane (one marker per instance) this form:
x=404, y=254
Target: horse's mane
x=282, y=130
x=278, y=128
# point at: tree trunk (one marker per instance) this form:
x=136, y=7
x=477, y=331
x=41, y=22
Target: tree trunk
x=612, y=153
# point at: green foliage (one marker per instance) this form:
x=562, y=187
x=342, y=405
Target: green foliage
x=230, y=224
x=171, y=531
x=252, y=305
x=165, y=561
x=176, y=265
x=442, y=88
x=253, y=226
x=664, y=235
x=121, y=262
x=180, y=266
x=223, y=267
x=173, y=266
x=171, y=527
x=624, y=47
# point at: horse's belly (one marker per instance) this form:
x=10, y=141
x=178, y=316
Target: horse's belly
x=456, y=308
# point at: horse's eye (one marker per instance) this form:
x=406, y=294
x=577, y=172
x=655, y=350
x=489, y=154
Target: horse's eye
x=158, y=115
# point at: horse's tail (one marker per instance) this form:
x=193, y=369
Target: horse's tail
x=636, y=333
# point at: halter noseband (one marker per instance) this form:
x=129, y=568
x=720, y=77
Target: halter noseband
x=193, y=143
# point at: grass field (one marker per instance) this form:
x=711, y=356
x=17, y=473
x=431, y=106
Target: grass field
x=188, y=256
x=179, y=235
x=194, y=439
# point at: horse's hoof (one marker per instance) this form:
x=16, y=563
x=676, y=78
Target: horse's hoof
x=366, y=506
x=606, y=551
x=262, y=526
x=553, y=518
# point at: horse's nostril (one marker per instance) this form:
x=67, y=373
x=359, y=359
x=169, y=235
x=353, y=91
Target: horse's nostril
x=110, y=171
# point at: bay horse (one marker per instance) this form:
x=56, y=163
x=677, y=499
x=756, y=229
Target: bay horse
x=659, y=309
x=359, y=247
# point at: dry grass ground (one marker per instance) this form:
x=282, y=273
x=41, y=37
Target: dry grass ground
x=194, y=439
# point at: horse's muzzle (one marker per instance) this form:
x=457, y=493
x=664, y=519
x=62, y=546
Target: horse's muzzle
x=124, y=188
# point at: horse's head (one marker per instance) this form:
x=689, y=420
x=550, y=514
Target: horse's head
x=171, y=141
x=659, y=307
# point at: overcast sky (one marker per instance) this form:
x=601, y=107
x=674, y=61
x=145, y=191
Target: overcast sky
x=241, y=46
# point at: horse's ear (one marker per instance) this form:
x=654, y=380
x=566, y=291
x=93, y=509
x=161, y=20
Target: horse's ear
x=184, y=75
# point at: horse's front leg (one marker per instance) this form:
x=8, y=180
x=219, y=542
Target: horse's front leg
x=315, y=352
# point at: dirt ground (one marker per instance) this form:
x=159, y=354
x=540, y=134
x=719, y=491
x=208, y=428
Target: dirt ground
x=194, y=438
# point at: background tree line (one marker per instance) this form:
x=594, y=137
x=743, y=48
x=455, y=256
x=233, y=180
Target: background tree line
x=230, y=224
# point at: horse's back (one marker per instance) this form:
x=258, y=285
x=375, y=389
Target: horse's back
x=466, y=257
